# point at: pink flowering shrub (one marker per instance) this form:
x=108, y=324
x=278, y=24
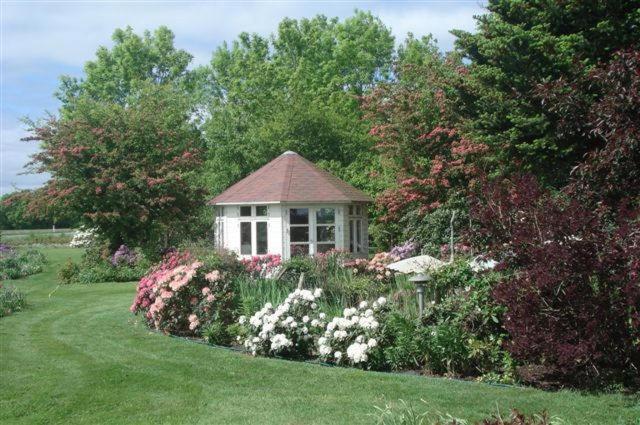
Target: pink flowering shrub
x=376, y=267
x=145, y=294
x=261, y=266
x=183, y=296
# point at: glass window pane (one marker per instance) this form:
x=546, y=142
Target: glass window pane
x=358, y=210
x=324, y=247
x=300, y=234
x=299, y=250
x=261, y=238
x=299, y=216
x=358, y=236
x=245, y=211
x=350, y=209
x=245, y=238
x=325, y=233
x=351, y=236
x=326, y=216
x=261, y=210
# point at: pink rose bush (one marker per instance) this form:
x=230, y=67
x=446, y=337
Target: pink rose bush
x=376, y=267
x=355, y=338
x=146, y=294
x=182, y=296
x=262, y=266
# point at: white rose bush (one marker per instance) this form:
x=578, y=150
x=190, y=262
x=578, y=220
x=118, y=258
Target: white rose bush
x=297, y=329
x=286, y=330
x=355, y=338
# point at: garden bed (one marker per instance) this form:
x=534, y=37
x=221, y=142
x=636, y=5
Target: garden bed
x=105, y=368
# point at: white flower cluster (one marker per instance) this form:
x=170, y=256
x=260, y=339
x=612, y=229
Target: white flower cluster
x=355, y=333
x=288, y=328
x=83, y=237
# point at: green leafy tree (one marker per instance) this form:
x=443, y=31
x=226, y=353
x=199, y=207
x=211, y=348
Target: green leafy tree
x=134, y=60
x=128, y=169
x=15, y=212
x=521, y=44
x=297, y=91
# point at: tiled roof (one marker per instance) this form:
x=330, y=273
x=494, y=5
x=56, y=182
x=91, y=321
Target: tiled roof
x=290, y=178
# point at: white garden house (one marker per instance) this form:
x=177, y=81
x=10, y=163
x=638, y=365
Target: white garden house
x=291, y=207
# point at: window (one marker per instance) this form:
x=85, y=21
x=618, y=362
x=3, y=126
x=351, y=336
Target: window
x=299, y=216
x=325, y=229
x=351, y=238
x=261, y=210
x=245, y=211
x=219, y=229
x=245, y=238
x=262, y=244
x=355, y=236
x=299, y=231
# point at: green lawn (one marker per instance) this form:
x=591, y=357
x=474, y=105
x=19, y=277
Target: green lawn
x=76, y=355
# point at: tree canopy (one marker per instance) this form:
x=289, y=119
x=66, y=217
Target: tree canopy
x=519, y=45
x=127, y=169
x=117, y=73
x=297, y=90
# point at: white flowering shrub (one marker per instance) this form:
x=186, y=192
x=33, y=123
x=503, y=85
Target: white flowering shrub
x=287, y=330
x=354, y=339
x=83, y=237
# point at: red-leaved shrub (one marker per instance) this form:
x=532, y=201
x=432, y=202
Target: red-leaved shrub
x=573, y=295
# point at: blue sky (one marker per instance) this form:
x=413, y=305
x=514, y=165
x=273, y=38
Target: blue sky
x=41, y=40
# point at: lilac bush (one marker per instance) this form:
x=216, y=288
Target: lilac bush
x=405, y=250
x=124, y=256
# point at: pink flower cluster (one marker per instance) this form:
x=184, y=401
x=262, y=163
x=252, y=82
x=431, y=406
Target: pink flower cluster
x=181, y=296
x=146, y=292
x=375, y=267
x=261, y=266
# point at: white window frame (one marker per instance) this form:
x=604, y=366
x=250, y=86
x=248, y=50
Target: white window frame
x=356, y=231
x=254, y=219
x=312, y=225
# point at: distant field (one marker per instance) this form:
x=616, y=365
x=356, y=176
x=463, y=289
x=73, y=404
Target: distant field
x=37, y=236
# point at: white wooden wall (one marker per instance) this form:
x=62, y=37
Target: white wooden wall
x=228, y=227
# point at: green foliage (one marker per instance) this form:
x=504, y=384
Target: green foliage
x=11, y=300
x=255, y=293
x=69, y=272
x=96, y=267
x=461, y=335
x=467, y=323
x=217, y=333
x=123, y=70
x=296, y=91
x=519, y=45
x=16, y=214
x=297, y=265
x=17, y=264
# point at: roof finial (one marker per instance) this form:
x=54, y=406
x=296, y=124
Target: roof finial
x=290, y=153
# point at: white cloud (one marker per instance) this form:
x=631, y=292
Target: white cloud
x=68, y=33
x=14, y=154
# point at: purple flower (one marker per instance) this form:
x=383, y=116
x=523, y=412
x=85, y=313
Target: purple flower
x=124, y=255
x=5, y=249
x=406, y=250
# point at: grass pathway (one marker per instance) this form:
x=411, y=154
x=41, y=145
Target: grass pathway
x=77, y=356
